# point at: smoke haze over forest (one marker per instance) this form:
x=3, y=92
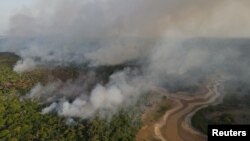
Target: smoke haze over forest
x=169, y=39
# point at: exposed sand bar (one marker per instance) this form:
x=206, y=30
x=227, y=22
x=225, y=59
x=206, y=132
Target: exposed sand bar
x=176, y=125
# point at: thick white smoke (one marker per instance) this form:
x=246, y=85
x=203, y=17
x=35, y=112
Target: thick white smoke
x=160, y=33
x=62, y=32
x=122, y=90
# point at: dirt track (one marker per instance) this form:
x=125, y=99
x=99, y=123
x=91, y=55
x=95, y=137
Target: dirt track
x=176, y=125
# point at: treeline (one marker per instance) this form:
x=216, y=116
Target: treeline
x=21, y=119
x=235, y=108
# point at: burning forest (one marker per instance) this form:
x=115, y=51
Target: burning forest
x=117, y=70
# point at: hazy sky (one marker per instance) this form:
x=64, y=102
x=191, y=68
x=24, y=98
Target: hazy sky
x=151, y=18
x=10, y=7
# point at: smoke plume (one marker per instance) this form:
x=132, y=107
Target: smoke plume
x=171, y=39
x=65, y=32
x=104, y=99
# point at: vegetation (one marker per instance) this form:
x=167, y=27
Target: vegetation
x=21, y=120
x=233, y=110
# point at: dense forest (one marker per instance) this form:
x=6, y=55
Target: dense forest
x=21, y=119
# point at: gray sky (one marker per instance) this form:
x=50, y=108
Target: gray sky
x=219, y=18
x=10, y=7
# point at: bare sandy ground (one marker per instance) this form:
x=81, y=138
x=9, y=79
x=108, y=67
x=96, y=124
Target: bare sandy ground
x=176, y=123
